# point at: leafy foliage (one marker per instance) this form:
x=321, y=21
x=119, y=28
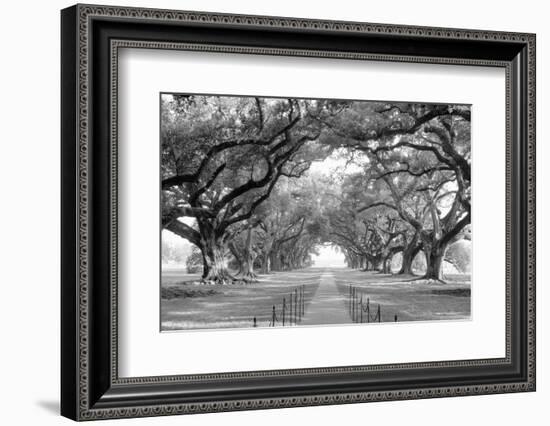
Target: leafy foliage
x=240, y=168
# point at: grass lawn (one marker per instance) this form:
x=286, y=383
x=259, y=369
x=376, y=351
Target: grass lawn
x=409, y=298
x=190, y=306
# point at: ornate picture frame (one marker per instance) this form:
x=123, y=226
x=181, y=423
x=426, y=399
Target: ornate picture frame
x=91, y=37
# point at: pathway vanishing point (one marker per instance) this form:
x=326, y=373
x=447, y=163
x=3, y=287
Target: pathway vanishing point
x=328, y=305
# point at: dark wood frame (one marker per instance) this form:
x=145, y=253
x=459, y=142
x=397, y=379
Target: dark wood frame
x=90, y=386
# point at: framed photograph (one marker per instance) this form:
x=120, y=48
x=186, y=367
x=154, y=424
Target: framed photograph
x=263, y=212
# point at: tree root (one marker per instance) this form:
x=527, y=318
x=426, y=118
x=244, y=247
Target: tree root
x=228, y=279
x=429, y=280
x=249, y=278
x=221, y=279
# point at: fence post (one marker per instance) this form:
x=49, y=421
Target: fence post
x=273, y=317
x=284, y=311
x=303, y=299
x=301, y=302
x=353, y=305
x=378, y=313
x=368, y=309
x=356, y=298
x=352, y=301
x=350, y=298
x=361, y=307
x=295, y=306
x=357, y=305
x=290, y=311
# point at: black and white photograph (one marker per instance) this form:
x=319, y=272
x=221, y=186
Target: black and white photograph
x=290, y=212
x=281, y=213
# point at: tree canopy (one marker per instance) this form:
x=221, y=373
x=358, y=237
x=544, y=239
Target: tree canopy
x=248, y=179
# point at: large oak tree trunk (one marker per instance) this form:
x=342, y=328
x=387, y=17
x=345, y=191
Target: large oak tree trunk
x=238, y=257
x=247, y=266
x=368, y=265
x=248, y=273
x=434, y=262
x=377, y=264
x=406, y=263
x=214, y=267
x=266, y=264
x=409, y=253
x=275, y=261
x=386, y=265
x=266, y=256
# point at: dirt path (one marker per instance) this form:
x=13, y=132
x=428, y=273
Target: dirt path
x=328, y=306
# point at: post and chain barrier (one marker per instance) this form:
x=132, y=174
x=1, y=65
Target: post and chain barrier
x=290, y=312
x=360, y=307
x=292, y=309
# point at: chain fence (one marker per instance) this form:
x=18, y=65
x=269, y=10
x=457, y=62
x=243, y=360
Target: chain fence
x=291, y=309
x=289, y=312
x=360, y=308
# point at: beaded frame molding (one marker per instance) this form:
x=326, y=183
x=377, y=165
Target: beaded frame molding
x=91, y=38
